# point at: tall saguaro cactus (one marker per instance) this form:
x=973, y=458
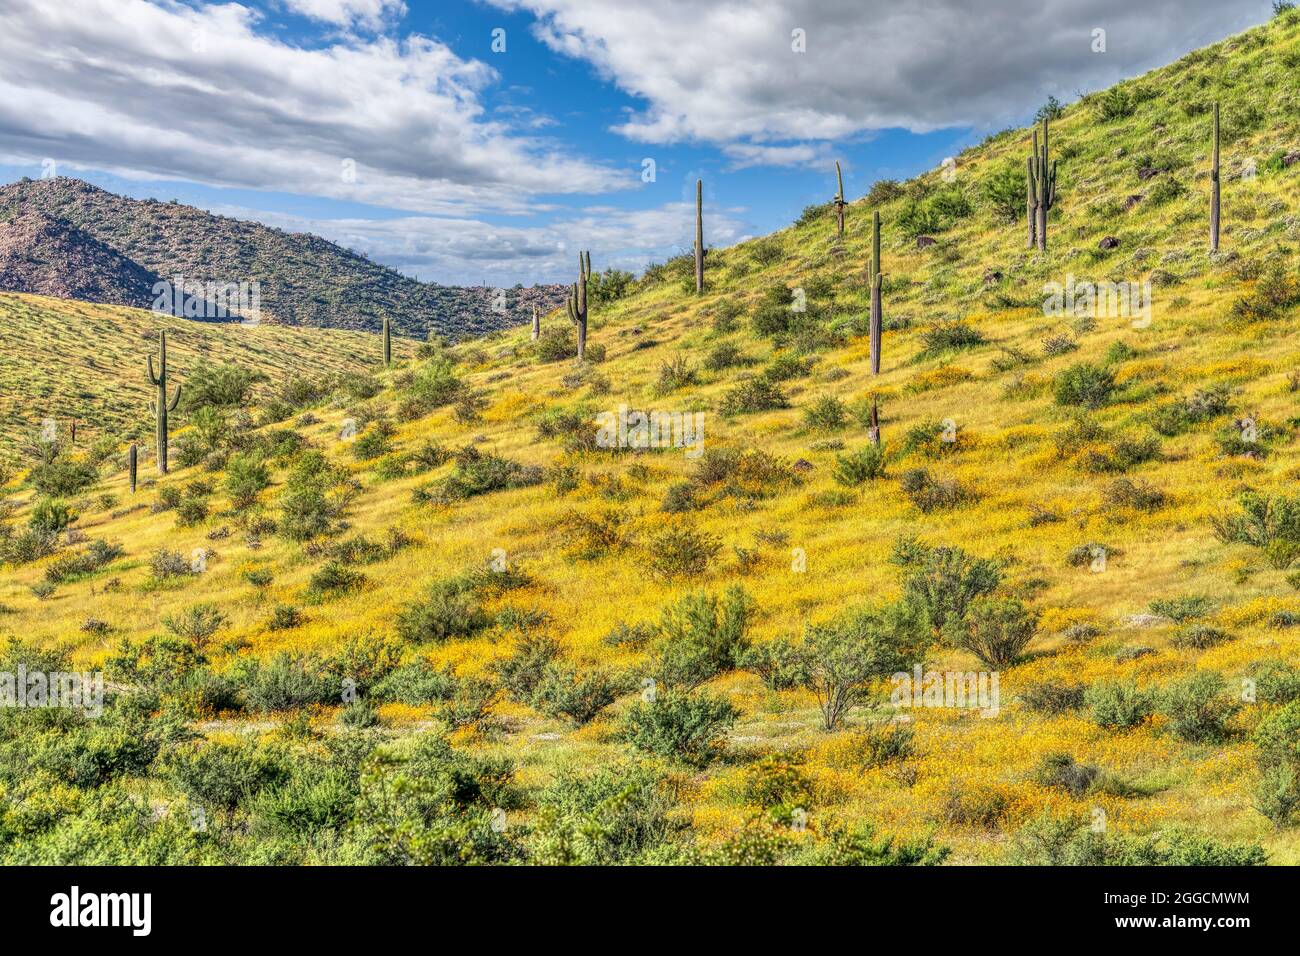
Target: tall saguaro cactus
x=388, y=343
x=1042, y=186
x=699, y=237
x=132, y=464
x=537, y=322
x=1030, y=211
x=1214, y=186
x=839, y=201
x=161, y=406
x=578, y=303
x=874, y=279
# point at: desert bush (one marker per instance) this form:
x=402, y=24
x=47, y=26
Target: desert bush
x=681, y=551
x=700, y=636
x=949, y=337
x=165, y=565
x=778, y=663
x=857, y=468
x=1088, y=386
x=753, y=395
x=451, y=611
x=1050, y=697
x=929, y=494
x=826, y=414
x=996, y=630
x=614, y=815
x=196, y=623
x=63, y=477
x=842, y=657
x=1200, y=637
x=246, y=477
x=1196, y=707
x=1062, y=772
x=681, y=726
x=577, y=696
x=940, y=584
x=1118, y=705
x=1183, y=608
x=332, y=579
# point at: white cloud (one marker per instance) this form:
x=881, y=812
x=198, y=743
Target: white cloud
x=370, y=14
x=148, y=91
x=471, y=252
x=744, y=155
x=725, y=72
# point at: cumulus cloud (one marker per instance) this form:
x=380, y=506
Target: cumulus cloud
x=726, y=72
x=150, y=91
x=369, y=14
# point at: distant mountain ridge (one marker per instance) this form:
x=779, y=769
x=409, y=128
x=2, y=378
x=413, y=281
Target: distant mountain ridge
x=64, y=237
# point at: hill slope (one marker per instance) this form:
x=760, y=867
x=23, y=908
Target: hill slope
x=304, y=279
x=1094, y=461
x=81, y=361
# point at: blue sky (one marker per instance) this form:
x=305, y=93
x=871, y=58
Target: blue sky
x=474, y=165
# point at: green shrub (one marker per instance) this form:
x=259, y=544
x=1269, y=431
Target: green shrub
x=682, y=551
x=63, y=477
x=701, y=636
x=996, y=630
x=686, y=727
x=1063, y=772
x=451, y=611
x=1183, y=608
x=929, y=494
x=615, y=815
x=857, y=468
x=1119, y=705
x=940, y=584
x=753, y=395
x=1277, y=794
x=1088, y=386
x=949, y=336
x=1201, y=637
x=1053, y=698
x=246, y=477
x=826, y=414
x=778, y=663
x=1197, y=709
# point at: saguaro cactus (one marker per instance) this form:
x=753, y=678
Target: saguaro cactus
x=160, y=405
x=699, y=237
x=1214, y=186
x=388, y=343
x=1030, y=212
x=1042, y=187
x=874, y=279
x=578, y=303
x=132, y=463
x=839, y=201
x=537, y=322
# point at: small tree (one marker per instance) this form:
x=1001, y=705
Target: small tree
x=996, y=630
x=843, y=657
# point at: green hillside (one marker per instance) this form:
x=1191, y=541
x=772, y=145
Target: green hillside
x=436, y=620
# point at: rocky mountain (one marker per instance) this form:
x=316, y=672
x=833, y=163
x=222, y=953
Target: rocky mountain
x=65, y=237
x=46, y=256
